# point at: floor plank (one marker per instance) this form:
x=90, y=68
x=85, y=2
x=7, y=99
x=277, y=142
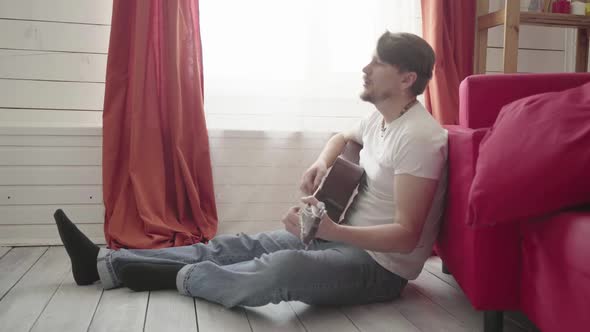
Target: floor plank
x=23, y=304
x=449, y=298
x=434, y=266
x=40, y=295
x=4, y=250
x=213, y=317
x=170, y=311
x=319, y=319
x=120, y=310
x=70, y=309
x=458, y=303
x=379, y=317
x=15, y=264
x=274, y=317
x=424, y=314
x=510, y=326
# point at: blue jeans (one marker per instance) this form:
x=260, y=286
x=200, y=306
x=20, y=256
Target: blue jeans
x=269, y=267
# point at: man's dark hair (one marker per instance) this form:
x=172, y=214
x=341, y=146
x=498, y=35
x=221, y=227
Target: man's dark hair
x=409, y=53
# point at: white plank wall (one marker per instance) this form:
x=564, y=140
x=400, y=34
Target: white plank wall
x=255, y=175
x=53, y=61
x=74, y=11
x=52, y=70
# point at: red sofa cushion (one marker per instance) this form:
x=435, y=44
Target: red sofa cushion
x=563, y=236
x=535, y=159
x=555, y=285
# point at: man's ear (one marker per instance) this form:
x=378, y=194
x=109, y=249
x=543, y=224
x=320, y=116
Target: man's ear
x=409, y=78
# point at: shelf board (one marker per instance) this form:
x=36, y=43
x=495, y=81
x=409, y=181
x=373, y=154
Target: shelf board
x=531, y=18
x=555, y=20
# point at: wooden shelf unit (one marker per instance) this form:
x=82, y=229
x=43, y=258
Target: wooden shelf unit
x=511, y=17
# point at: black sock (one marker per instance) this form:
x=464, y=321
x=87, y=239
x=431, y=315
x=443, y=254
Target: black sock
x=82, y=251
x=149, y=276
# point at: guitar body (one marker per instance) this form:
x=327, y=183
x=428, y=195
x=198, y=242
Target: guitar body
x=341, y=182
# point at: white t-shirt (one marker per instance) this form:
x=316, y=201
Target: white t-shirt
x=413, y=144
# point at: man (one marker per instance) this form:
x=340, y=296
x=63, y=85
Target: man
x=388, y=231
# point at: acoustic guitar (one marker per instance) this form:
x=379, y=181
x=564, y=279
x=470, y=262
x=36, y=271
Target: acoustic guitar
x=340, y=184
x=336, y=192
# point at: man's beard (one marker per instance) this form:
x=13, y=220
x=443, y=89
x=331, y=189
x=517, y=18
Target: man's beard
x=372, y=98
x=366, y=96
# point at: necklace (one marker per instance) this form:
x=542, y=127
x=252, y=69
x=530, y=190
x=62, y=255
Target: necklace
x=404, y=110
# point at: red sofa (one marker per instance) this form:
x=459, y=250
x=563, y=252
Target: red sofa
x=540, y=267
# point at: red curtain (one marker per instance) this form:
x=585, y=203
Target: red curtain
x=449, y=27
x=157, y=178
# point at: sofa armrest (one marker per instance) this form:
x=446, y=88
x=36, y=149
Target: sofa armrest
x=481, y=97
x=484, y=261
x=463, y=153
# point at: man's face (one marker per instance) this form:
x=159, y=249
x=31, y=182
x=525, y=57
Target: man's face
x=382, y=81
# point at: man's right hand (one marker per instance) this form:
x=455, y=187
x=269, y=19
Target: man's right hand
x=313, y=177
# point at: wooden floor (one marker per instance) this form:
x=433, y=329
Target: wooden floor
x=37, y=293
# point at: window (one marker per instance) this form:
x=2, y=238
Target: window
x=293, y=64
